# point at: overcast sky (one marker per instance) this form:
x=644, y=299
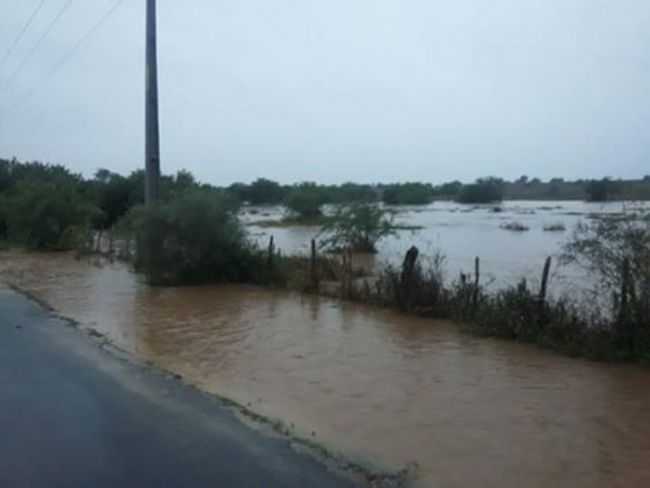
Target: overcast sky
x=338, y=90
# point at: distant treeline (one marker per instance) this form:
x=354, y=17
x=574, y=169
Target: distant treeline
x=483, y=190
x=40, y=203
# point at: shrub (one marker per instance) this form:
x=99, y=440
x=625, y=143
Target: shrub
x=616, y=249
x=358, y=227
x=515, y=226
x=305, y=201
x=39, y=215
x=193, y=239
x=556, y=227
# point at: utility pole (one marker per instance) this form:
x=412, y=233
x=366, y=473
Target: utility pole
x=152, y=144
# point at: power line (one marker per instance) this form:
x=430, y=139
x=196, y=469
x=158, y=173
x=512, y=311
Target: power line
x=66, y=57
x=35, y=47
x=21, y=33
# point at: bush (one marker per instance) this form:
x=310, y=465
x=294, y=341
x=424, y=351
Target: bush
x=358, y=227
x=39, y=215
x=305, y=201
x=616, y=249
x=195, y=238
x=484, y=190
x=556, y=227
x=602, y=245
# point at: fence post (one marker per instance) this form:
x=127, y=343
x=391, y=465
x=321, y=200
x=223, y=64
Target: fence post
x=314, y=270
x=543, y=289
x=271, y=252
x=346, y=278
x=406, y=278
x=477, y=275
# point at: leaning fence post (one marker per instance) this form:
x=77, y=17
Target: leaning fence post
x=542, y=290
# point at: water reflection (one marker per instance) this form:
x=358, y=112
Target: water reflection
x=376, y=384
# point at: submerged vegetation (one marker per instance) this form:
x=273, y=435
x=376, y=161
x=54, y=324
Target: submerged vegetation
x=556, y=227
x=194, y=235
x=194, y=238
x=484, y=190
x=515, y=226
x=357, y=227
x=305, y=202
x=614, y=324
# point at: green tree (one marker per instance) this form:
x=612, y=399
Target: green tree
x=263, y=191
x=112, y=193
x=358, y=227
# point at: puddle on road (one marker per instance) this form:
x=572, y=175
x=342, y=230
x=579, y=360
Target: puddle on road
x=372, y=383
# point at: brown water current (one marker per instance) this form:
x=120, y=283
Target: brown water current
x=371, y=383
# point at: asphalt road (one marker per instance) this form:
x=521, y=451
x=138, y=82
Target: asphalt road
x=74, y=415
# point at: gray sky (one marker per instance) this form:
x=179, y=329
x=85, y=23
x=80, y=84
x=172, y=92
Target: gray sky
x=338, y=90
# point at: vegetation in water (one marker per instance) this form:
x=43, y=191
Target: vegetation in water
x=408, y=194
x=600, y=190
x=305, y=202
x=616, y=329
x=357, y=227
x=46, y=215
x=193, y=235
x=556, y=227
x=194, y=238
x=484, y=190
x=515, y=226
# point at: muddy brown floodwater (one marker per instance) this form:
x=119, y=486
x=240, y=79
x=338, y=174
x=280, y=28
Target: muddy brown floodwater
x=370, y=383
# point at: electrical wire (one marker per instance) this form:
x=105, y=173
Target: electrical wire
x=21, y=33
x=66, y=57
x=40, y=40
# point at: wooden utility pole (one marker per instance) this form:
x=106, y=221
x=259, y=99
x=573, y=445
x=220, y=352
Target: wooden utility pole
x=152, y=145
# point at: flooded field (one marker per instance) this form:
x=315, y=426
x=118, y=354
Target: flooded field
x=375, y=384
x=462, y=232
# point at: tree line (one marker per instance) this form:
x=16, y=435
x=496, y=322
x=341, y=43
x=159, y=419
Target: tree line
x=48, y=206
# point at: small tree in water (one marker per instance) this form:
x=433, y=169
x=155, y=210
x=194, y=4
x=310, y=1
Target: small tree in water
x=616, y=250
x=192, y=239
x=358, y=227
x=305, y=201
x=602, y=245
